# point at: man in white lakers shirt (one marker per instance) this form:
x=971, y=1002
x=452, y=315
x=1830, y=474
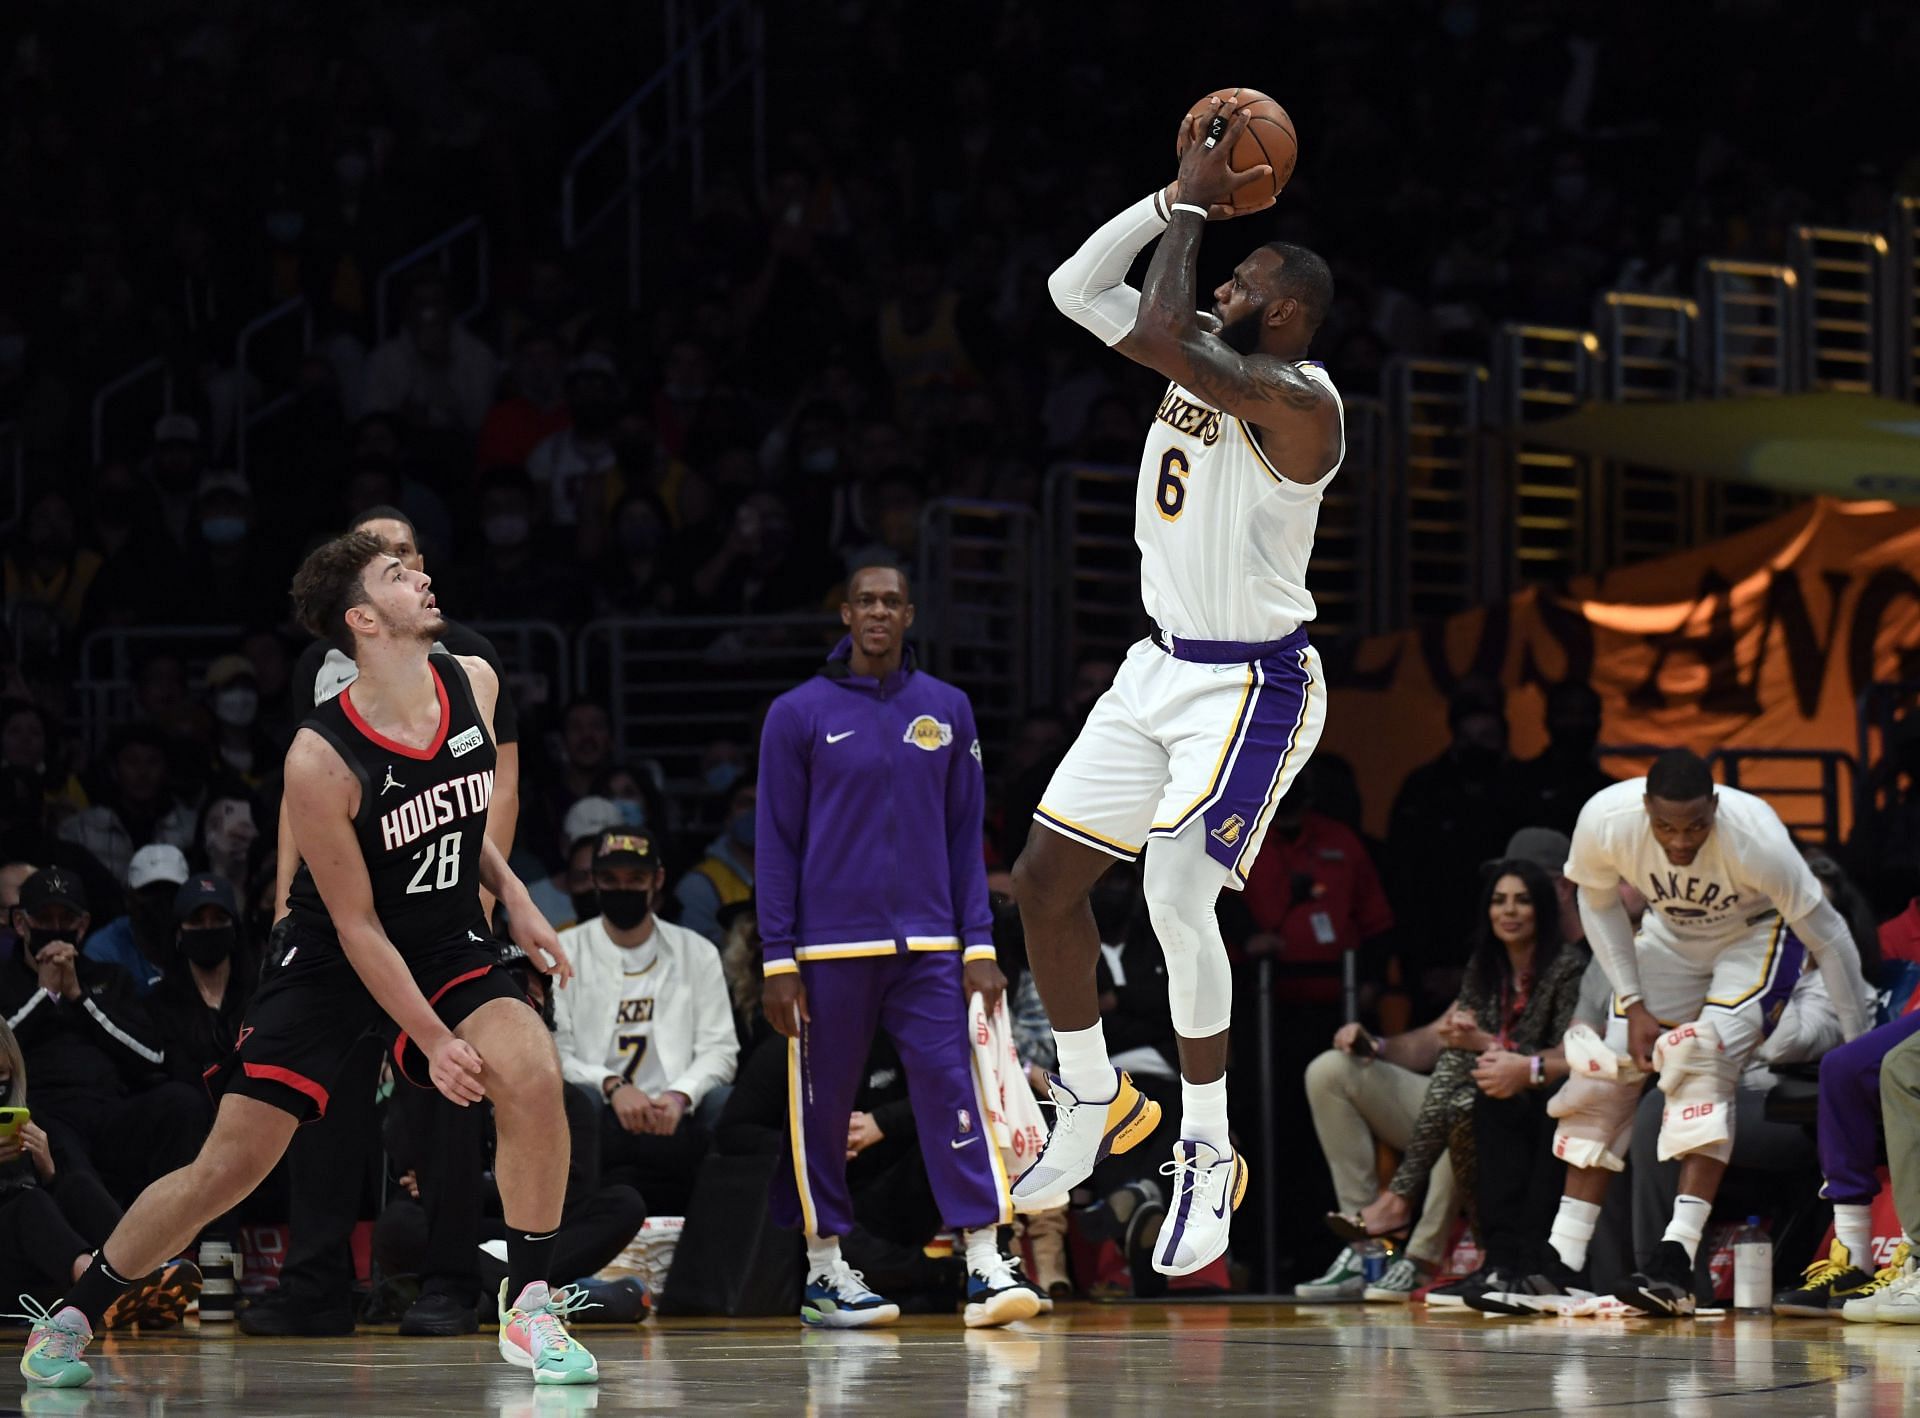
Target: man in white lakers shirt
x=1210, y=717
x=1724, y=884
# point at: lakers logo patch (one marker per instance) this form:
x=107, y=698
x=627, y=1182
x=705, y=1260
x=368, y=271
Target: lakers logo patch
x=1227, y=834
x=927, y=732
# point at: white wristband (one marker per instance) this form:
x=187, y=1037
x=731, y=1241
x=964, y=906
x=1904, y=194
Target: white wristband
x=1200, y=212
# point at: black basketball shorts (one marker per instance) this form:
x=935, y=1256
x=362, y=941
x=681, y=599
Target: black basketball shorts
x=307, y=1016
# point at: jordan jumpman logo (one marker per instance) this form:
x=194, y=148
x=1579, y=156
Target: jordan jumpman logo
x=391, y=782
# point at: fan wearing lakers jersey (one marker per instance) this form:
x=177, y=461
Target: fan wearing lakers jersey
x=1212, y=715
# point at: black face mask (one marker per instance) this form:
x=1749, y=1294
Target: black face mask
x=151, y=920
x=625, y=909
x=586, y=905
x=1477, y=760
x=207, y=948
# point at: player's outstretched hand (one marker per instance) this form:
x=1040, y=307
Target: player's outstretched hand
x=455, y=1070
x=541, y=942
x=783, y=999
x=1207, y=178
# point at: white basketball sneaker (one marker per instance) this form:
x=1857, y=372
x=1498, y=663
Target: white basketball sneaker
x=1207, y=1185
x=1084, y=1132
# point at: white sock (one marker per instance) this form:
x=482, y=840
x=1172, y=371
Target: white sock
x=1084, y=1067
x=1689, y=1223
x=1203, y=1113
x=1573, y=1230
x=983, y=1248
x=823, y=1253
x=1853, y=1228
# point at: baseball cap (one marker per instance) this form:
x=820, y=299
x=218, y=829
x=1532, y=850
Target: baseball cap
x=593, y=364
x=626, y=849
x=1542, y=846
x=52, y=886
x=157, y=862
x=589, y=818
x=176, y=428
x=205, y=890
x=228, y=668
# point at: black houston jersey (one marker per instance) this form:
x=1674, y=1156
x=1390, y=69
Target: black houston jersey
x=422, y=817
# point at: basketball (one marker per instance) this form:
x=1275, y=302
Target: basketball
x=1269, y=139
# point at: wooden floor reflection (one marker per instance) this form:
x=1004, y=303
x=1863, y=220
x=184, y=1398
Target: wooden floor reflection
x=1112, y=1360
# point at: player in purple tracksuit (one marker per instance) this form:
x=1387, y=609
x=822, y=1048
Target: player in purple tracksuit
x=872, y=899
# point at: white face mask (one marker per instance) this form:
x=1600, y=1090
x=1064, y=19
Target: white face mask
x=236, y=707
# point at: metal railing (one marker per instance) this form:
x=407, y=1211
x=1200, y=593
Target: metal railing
x=537, y=658
x=114, y=390
x=1650, y=344
x=1088, y=522
x=291, y=313
x=982, y=608
x=667, y=114
x=442, y=248
x=1903, y=329
x=1542, y=372
x=1843, y=324
x=673, y=686
x=1752, y=314
x=1780, y=776
x=1437, y=531
x=110, y=661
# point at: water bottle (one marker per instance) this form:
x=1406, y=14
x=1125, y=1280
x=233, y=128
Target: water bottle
x=1374, y=1256
x=1752, y=1269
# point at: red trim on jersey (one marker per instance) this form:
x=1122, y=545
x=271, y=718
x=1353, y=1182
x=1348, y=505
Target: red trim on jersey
x=432, y=749
x=298, y=1082
x=400, y=1044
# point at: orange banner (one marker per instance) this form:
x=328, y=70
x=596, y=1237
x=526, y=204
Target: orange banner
x=1762, y=640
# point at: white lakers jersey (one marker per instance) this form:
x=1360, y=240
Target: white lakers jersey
x=1224, y=537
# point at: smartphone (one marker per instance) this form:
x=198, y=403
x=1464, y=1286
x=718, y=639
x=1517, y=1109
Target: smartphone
x=1364, y=1046
x=11, y=1121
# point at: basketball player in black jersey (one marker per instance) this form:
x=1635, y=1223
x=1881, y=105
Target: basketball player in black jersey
x=388, y=787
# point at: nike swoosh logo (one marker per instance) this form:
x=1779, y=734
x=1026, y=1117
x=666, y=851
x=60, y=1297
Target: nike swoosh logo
x=956, y=1146
x=835, y=738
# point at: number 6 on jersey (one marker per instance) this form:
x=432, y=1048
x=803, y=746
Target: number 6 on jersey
x=1171, y=494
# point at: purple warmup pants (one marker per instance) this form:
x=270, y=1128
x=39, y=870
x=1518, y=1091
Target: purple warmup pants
x=1850, y=1111
x=918, y=999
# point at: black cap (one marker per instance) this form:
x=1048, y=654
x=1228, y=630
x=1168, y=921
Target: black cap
x=625, y=849
x=204, y=890
x=53, y=886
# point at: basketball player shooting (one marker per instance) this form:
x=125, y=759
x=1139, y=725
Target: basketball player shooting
x=388, y=789
x=1212, y=716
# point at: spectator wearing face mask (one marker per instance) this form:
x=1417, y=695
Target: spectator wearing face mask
x=640, y=577
x=567, y=897
x=435, y=373
x=760, y=568
x=174, y=468
x=135, y=806
x=200, y=1002
x=724, y=876
x=231, y=568
x=521, y=572
x=240, y=750
x=141, y=942
x=28, y=747
x=574, y=469
x=97, y=1058
x=645, y=1024
x=635, y=793
x=535, y=408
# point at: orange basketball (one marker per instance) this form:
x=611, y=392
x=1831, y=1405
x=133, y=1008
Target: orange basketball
x=1269, y=139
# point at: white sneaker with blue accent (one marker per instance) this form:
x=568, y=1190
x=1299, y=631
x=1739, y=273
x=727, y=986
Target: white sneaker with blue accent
x=838, y=1298
x=1208, y=1185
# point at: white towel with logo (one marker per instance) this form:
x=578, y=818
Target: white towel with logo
x=1013, y=1113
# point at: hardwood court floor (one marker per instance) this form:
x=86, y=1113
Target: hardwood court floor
x=1173, y=1361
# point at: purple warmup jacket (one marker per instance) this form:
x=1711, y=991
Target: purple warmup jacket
x=868, y=840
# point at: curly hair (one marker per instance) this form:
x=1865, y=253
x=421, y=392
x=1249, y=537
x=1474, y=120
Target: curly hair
x=331, y=582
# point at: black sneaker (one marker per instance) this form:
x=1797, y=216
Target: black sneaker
x=1825, y=1286
x=293, y=1317
x=439, y=1314
x=1454, y=1296
x=1665, y=1287
x=157, y=1301
x=1546, y=1291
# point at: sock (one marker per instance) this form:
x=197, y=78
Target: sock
x=98, y=1287
x=1853, y=1228
x=1203, y=1113
x=1083, y=1064
x=983, y=1248
x=1689, y=1222
x=1573, y=1230
x=823, y=1253
x=529, y=1258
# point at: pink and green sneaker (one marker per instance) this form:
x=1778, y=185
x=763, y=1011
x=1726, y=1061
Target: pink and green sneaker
x=533, y=1335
